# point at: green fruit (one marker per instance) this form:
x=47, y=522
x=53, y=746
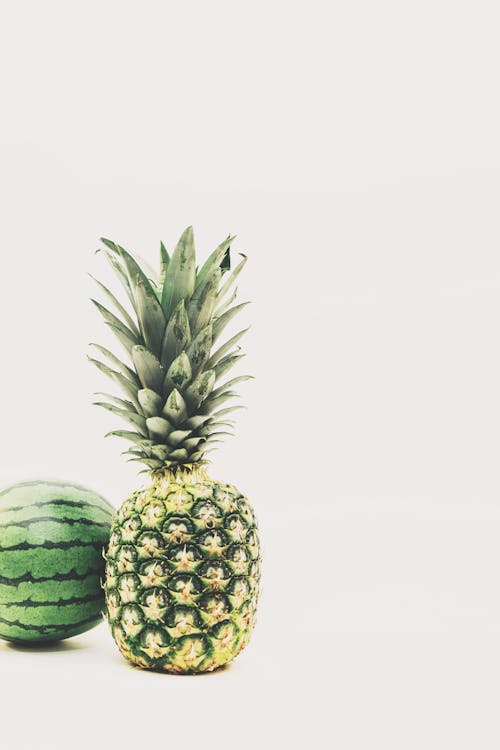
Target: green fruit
x=52, y=535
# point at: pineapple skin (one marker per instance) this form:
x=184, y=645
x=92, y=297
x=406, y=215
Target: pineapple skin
x=182, y=574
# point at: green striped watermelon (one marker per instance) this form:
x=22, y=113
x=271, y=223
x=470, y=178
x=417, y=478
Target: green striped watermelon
x=52, y=535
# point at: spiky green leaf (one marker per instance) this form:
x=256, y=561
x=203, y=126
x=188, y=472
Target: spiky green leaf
x=164, y=261
x=191, y=443
x=127, y=387
x=160, y=451
x=181, y=275
x=194, y=422
x=177, y=436
x=179, y=373
x=214, y=260
x=151, y=463
x=150, y=371
x=129, y=416
x=177, y=335
x=232, y=278
x=122, y=367
x=225, y=304
x=116, y=263
x=198, y=350
x=200, y=388
x=115, y=322
x=214, y=402
x=231, y=383
x=175, y=408
x=125, y=339
x=226, y=363
x=180, y=454
x=221, y=322
x=129, y=322
x=117, y=401
x=225, y=348
x=133, y=437
x=202, y=303
x=151, y=318
x=151, y=403
x=158, y=428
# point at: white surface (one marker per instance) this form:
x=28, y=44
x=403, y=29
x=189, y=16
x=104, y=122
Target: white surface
x=354, y=148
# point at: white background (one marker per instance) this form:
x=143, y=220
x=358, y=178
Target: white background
x=354, y=149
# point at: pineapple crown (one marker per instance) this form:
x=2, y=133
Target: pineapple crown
x=173, y=398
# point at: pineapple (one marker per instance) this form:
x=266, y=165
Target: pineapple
x=183, y=563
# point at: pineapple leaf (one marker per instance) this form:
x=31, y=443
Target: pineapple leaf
x=193, y=442
x=194, y=422
x=134, y=437
x=197, y=455
x=131, y=268
x=151, y=463
x=164, y=261
x=129, y=416
x=177, y=436
x=198, y=350
x=210, y=435
x=114, y=260
x=177, y=335
x=232, y=278
x=217, y=259
x=180, y=454
x=213, y=402
x=175, y=408
x=127, y=318
x=160, y=452
x=158, y=427
x=150, y=402
x=226, y=363
x=227, y=303
x=224, y=349
x=230, y=383
x=221, y=322
x=121, y=402
x=151, y=318
x=200, y=388
x=181, y=275
x=179, y=373
x=227, y=410
x=123, y=368
x=202, y=303
x=123, y=337
x=112, y=320
x=212, y=425
x=121, y=381
x=150, y=371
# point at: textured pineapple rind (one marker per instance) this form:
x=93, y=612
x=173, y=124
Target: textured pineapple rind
x=182, y=575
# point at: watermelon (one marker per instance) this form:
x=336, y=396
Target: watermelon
x=52, y=535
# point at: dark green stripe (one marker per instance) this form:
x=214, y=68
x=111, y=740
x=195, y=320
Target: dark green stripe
x=47, y=483
x=52, y=519
x=48, y=562
x=52, y=545
x=50, y=628
x=60, y=603
x=57, y=501
x=72, y=575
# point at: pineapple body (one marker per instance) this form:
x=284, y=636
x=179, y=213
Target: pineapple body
x=182, y=573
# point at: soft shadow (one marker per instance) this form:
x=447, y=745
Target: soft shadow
x=118, y=658
x=45, y=647
x=213, y=673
